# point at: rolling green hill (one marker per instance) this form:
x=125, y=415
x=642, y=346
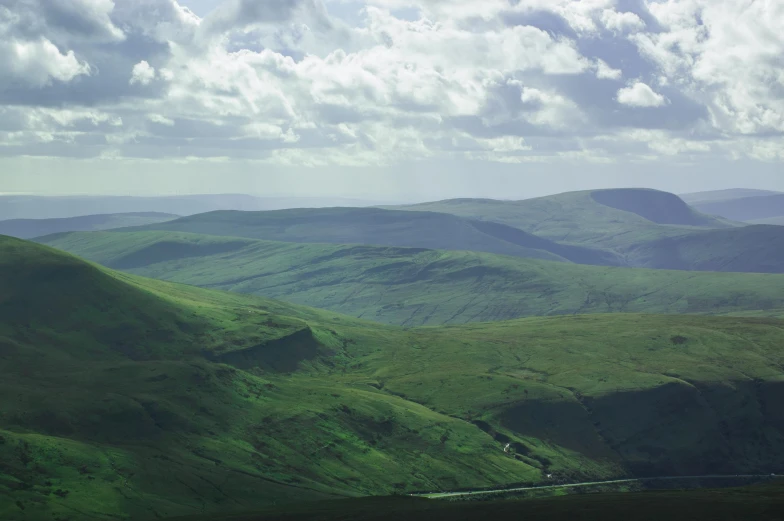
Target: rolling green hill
x=30, y=228
x=413, y=287
x=383, y=227
x=130, y=397
x=609, y=219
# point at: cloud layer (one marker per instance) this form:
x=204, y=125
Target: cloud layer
x=343, y=83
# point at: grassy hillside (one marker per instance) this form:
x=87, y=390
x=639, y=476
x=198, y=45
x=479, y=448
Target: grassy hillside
x=609, y=219
x=116, y=401
x=415, y=287
x=134, y=398
x=386, y=228
x=30, y=228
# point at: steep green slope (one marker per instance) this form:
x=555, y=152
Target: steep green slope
x=114, y=402
x=415, y=287
x=610, y=219
x=29, y=228
x=134, y=398
x=386, y=228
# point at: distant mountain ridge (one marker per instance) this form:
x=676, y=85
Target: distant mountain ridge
x=384, y=228
x=746, y=208
x=55, y=207
x=30, y=228
x=714, y=196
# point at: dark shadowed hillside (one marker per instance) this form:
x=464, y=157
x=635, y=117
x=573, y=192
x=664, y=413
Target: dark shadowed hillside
x=758, y=248
x=761, y=501
x=653, y=205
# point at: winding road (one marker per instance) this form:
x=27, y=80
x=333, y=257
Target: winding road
x=440, y=495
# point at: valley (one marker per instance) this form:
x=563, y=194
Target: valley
x=156, y=376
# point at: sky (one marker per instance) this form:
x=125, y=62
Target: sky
x=390, y=99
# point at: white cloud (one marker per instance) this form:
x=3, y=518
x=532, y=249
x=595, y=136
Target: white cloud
x=620, y=22
x=142, y=73
x=38, y=63
x=162, y=120
x=605, y=72
x=286, y=82
x=640, y=95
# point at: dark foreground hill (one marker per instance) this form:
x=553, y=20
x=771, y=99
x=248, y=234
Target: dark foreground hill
x=414, y=287
x=375, y=226
x=133, y=398
x=742, y=504
x=30, y=228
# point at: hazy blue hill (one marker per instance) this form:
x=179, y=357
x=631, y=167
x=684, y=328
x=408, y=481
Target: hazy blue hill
x=418, y=286
x=579, y=218
x=55, y=207
x=124, y=396
x=746, y=208
x=758, y=248
x=778, y=221
x=30, y=228
x=723, y=195
x=384, y=227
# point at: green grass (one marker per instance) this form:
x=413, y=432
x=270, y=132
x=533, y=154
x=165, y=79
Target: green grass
x=414, y=287
x=115, y=399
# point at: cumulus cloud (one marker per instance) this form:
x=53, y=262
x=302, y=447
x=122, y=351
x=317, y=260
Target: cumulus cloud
x=319, y=82
x=621, y=21
x=605, y=72
x=142, y=73
x=37, y=63
x=640, y=95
